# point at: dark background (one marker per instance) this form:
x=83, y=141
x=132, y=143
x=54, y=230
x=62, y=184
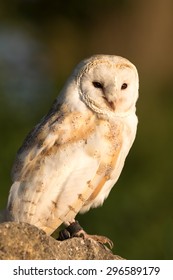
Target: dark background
x=40, y=43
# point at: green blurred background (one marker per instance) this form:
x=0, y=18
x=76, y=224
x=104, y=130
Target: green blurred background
x=40, y=43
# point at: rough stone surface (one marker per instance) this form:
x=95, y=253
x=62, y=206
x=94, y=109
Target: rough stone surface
x=21, y=241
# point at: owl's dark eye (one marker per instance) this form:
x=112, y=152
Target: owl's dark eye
x=124, y=86
x=97, y=85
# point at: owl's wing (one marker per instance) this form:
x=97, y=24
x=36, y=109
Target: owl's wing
x=36, y=141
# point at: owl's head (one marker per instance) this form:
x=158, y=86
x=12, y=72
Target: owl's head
x=108, y=84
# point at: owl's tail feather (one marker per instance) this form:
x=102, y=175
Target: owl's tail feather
x=50, y=226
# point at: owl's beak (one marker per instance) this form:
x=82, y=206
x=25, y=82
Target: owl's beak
x=110, y=104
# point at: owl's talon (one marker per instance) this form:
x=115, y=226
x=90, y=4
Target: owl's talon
x=98, y=238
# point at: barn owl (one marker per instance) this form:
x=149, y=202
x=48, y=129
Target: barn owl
x=71, y=160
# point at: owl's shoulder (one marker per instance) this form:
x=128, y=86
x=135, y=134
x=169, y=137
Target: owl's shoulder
x=61, y=126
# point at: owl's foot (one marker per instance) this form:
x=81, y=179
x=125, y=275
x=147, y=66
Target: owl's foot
x=98, y=238
x=75, y=230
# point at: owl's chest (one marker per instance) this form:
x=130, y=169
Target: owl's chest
x=104, y=139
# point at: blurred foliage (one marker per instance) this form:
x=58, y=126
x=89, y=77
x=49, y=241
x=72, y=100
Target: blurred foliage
x=40, y=42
